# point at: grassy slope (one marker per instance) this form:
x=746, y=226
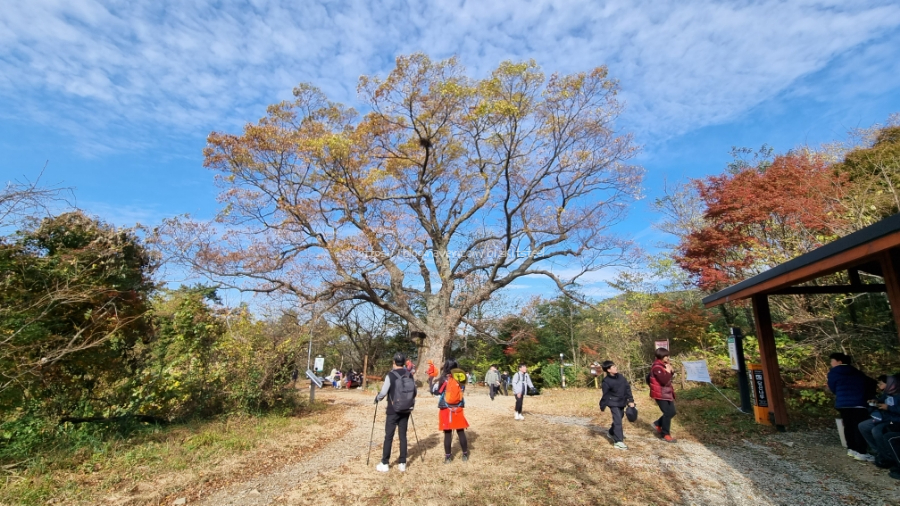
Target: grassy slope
x=156, y=462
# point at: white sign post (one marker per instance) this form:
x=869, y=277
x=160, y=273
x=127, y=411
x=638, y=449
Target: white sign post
x=319, y=364
x=732, y=352
x=696, y=370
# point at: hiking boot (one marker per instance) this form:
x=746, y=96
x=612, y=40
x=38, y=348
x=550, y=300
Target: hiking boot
x=670, y=439
x=382, y=468
x=448, y=459
x=465, y=457
x=658, y=427
x=620, y=446
x=401, y=467
x=883, y=464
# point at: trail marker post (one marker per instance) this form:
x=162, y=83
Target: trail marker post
x=739, y=364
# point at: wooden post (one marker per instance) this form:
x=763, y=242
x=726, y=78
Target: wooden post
x=892, y=284
x=769, y=358
x=365, y=371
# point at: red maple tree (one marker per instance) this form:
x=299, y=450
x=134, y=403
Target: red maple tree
x=759, y=217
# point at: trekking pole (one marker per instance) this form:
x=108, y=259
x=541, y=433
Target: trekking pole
x=417, y=435
x=372, y=435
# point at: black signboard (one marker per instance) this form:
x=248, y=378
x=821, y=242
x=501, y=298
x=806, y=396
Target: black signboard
x=759, y=389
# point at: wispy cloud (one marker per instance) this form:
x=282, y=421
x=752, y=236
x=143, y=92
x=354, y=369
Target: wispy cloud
x=111, y=72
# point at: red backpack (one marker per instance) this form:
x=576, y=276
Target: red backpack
x=451, y=392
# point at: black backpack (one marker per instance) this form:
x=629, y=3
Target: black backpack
x=404, y=397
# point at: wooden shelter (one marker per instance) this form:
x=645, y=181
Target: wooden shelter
x=874, y=249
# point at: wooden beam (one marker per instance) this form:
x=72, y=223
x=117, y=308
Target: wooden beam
x=890, y=270
x=825, y=289
x=769, y=359
x=843, y=260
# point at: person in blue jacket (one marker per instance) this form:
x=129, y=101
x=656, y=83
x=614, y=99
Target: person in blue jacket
x=851, y=390
x=873, y=428
x=887, y=412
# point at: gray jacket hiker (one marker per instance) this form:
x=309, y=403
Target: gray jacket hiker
x=520, y=381
x=492, y=380
x=521, y=384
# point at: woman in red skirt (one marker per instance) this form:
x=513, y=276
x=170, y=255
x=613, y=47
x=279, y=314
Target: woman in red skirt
x=451, y=404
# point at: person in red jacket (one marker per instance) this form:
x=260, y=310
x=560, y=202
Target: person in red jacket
x=431, y=372
x=662, y=391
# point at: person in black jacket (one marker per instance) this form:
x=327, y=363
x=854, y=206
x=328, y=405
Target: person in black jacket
x=616, y=396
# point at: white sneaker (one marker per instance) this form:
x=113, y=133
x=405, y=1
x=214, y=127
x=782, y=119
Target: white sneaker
x=401, y=467
x=864, y=457
x=852, y=453
x=521, y=416
x=516, y=417
x=382, y=468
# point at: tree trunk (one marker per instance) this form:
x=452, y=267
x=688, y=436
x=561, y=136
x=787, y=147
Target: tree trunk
x=433, y=349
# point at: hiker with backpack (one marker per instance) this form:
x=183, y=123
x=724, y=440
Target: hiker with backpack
x=616, y=396
x=520, y=386
x=400, y=390
x=663, y=392
x=504, y=382
x=451, y=404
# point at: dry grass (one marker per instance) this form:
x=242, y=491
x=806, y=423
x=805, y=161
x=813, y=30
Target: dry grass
x=154, y=465
x=558, y=455
x=530, y=462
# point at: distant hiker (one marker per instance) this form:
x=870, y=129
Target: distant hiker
x=504, y=382
x=400, y=390
x=336, y=380
x=663, y=392
x=331, y=376
x=851, y=389
x=616, y=396
x=451, y=406
x=520, y=385
x=492, y=380
x=411, y=367
x=432, y=373
x=294, y=375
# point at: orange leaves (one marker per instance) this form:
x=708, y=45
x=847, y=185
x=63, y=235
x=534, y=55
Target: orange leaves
x=761, y=216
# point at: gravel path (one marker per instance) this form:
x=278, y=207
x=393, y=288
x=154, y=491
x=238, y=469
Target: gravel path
x=756, y=474
x=773, y=471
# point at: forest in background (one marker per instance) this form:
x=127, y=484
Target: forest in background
x=94, y=343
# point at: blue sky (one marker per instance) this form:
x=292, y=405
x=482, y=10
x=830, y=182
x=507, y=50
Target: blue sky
x=118, y=97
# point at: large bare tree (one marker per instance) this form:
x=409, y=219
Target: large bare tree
x=448, y=189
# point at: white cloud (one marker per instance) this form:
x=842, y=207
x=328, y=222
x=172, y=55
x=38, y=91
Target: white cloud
x=189, y=67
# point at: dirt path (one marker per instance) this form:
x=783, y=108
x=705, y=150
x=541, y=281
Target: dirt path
x=555, y=459
x=265, y=489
